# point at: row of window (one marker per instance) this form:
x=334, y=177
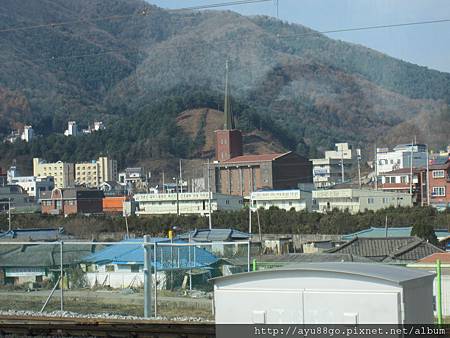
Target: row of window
x=57, y=203
x=438, y=174
x=438, y=191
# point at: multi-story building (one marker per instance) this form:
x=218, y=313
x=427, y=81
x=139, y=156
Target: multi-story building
x=72, y=129
x=283, y=199
x=328, y=171
x=70, y=201
x=34, y=186
x=15, y=196
x=400, y=157
x=93, y=174
x=27, y=133
x=358, y=200
x=439, y=187
x=185, y=203
x=400, y=181
x=63, y=173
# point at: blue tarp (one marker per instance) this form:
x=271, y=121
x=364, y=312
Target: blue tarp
x=167, y=257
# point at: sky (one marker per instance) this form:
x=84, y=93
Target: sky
x=426, y=45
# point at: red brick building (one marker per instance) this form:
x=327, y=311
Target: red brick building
x=439, y=187
x=68, y=201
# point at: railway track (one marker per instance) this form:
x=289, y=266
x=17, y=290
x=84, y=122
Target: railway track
x=19, y=326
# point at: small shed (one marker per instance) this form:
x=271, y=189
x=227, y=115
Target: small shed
x=325, y=293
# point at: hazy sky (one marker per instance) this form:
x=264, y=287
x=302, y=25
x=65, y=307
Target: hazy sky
x=427, y=45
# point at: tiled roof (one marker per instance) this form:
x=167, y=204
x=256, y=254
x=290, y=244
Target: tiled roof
x=394, y=249
x=33, y=234
x=444, y=257
x=313, y=258
x=401, y=171
x=374, y=232
x=254, y=158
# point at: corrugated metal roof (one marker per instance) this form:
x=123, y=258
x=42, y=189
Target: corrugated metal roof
x=210, y=235
x=183, y=256
x=394, y=274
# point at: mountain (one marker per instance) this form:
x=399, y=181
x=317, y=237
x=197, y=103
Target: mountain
x=139, y=68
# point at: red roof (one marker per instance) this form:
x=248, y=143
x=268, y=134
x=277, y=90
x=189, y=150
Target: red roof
x=431, y=259
x=254, y=158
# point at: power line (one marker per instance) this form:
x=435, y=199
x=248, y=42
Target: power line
x=142, y=13
x=279, y=36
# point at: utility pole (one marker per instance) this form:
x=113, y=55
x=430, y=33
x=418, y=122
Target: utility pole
x=250, y=215
x=358, y=157
x=428, y=178
x=9, y=214
x=181, y=177
x=178, y=197
x=411, y=173
x=342, y=165
x=209, y=199
x=376, y=167
x=163, y=183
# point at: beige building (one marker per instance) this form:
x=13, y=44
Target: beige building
x=93, y=174
x=62, y=172
x=358, y=200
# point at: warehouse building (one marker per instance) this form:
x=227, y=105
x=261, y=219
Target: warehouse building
x=325, y=293
x=185, y=203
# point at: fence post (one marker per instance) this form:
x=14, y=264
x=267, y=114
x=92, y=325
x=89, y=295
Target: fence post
x=254, y=264
x=61, y=274
x=147, y=279
x=155, y=252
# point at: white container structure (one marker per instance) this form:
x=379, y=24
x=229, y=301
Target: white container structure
x=325, y=293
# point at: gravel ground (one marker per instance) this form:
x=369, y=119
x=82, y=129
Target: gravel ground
x=68, y=314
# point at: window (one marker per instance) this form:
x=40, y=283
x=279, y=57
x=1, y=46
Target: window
x=404, y=179
x=385, y=200
x=438, y=191
x=438, y=174
x=370, y=200
x=109, y=268
x=134, y=268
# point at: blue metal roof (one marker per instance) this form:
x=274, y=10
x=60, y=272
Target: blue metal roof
x=391, y=232
x=168, y=257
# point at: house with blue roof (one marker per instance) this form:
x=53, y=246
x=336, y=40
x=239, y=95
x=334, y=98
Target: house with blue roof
x=121, y=265
x=374, y=232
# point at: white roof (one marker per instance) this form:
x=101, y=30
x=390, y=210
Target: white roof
x=390, y=273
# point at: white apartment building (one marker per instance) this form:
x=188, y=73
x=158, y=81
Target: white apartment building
x=63, y=173
x=185, y=203
x=327, y=171
x=33, y=185
x=72, y=129
x=400, y=157
x=358, y=200
x=93, y=174
x=282, y=199
x=27, y=134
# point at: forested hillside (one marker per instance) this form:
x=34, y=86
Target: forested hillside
x=137, y=67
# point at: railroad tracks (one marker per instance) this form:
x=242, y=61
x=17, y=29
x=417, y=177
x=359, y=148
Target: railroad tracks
x=19, y=326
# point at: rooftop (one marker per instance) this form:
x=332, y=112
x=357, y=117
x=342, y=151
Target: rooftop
x=255, y=158
x=388, y=250
x=394, y=274
x=443, y=257
x=210, y=235
x=374, y=232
